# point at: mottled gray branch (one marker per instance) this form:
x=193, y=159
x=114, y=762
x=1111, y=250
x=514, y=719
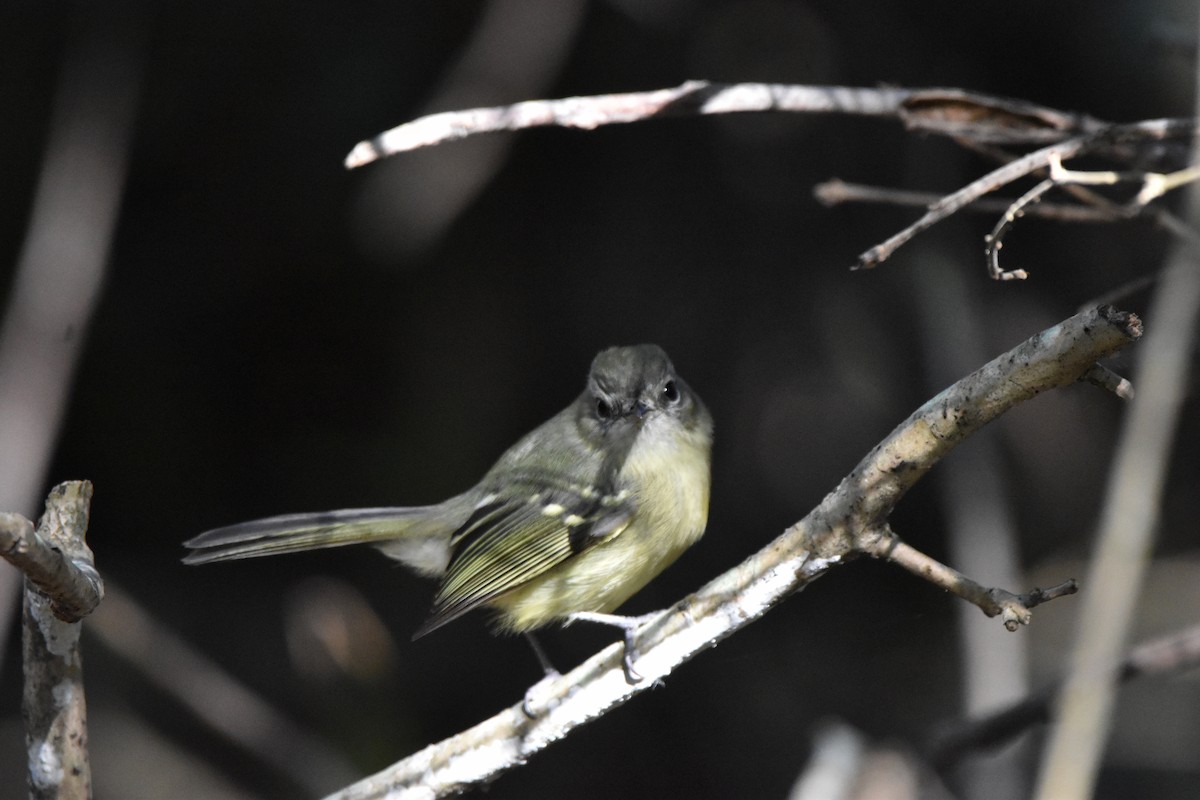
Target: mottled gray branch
x=55, y=558
x=61, y=582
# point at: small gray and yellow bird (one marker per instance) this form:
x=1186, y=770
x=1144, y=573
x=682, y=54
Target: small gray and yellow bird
x=572, y=520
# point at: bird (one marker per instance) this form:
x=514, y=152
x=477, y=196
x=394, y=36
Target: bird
x=571, y=521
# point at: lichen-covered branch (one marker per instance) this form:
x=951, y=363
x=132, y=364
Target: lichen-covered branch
x=61, y=583
x=849, y=522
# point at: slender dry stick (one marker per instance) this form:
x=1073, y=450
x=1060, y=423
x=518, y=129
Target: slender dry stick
x=1019, y=168
x=850, y=521
x=687, y=99
x=835, y=192
x=947, y=112
x=55, y=595
x=1126, y=533
x=1154, y=185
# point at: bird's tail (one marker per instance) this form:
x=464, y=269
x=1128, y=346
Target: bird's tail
x=418, y=536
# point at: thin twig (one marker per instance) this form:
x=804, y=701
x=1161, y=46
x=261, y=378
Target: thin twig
x=1128, y=523
x=1013, y=609
x=1154, y=185
x=1019, y=168
x=688, y=99
x=836, y=191
x=994, y=241
x=1110, y=381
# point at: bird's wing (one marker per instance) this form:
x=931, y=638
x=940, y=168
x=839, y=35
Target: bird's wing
x=518, y=533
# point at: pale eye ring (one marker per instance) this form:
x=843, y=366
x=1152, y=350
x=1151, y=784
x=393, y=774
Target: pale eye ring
x=670, y=392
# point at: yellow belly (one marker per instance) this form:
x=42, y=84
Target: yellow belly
x=669, y=479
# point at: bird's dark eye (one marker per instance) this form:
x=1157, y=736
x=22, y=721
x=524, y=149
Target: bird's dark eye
x=603, y=409
x=670, y=392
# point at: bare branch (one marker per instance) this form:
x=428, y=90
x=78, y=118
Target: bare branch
x=977, y=121
x=1013, y=609
x=1128, y=525
x=848, y=522
x=947, y=112
x=688, y=99
x=1108, y=380
x=1019, y=168
x=53, y=707
x=836, y=191
x=995, y=240
x=1154, y=185
x=55, y=558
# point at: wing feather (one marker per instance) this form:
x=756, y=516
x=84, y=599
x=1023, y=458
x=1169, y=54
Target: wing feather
x=517, y=535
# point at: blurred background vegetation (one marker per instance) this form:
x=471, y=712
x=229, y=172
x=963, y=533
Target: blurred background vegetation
x=276, y=334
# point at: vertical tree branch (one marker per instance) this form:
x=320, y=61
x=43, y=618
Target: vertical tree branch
x=53, y=705
x=1127, y=526
x=1126, y=535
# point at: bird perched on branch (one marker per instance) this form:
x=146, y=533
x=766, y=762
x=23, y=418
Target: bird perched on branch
x=570, y=522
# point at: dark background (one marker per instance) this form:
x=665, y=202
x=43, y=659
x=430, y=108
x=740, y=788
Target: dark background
x=277, y=334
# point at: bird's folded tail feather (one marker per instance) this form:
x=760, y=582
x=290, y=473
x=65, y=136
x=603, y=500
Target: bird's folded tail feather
x=292, y=533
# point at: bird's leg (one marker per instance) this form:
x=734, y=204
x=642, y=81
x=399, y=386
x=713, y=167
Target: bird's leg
x=627, y=624
x=547, y=667
x=550, y=674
